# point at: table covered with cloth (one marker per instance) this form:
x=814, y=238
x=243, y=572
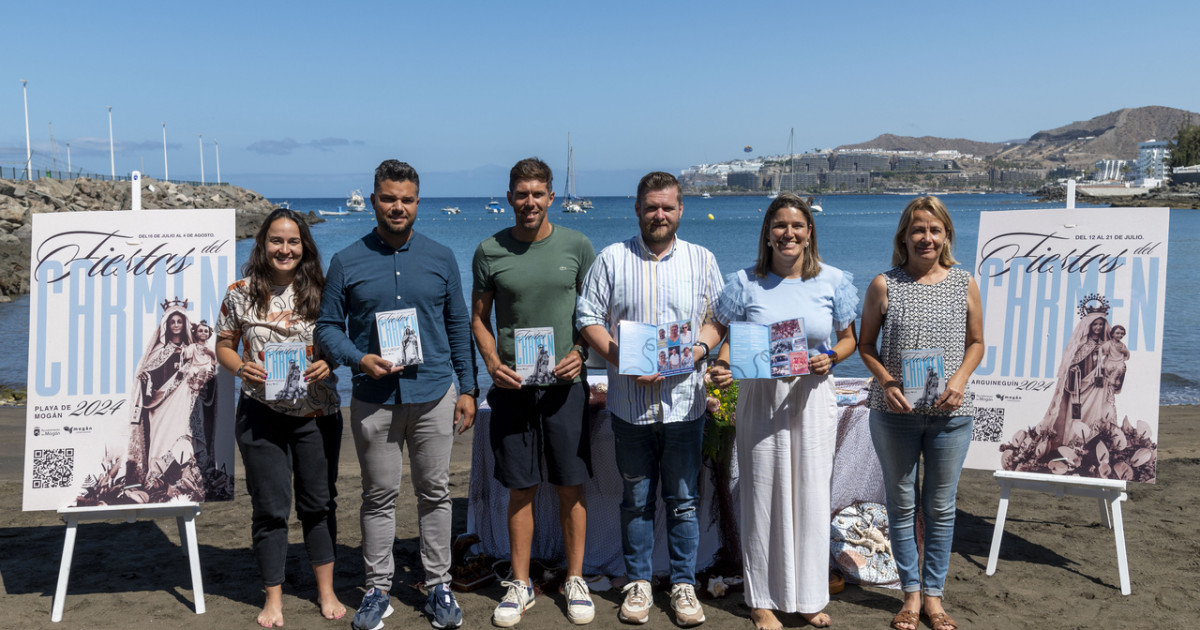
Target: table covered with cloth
x=856, y=477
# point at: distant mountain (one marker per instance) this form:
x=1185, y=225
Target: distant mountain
x=1114, y=135
x=926, y=144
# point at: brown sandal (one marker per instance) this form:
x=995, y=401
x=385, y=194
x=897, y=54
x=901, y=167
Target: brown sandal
x=910, y=617
x=942, y=621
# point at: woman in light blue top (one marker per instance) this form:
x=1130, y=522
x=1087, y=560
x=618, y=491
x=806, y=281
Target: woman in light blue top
x=787, y=427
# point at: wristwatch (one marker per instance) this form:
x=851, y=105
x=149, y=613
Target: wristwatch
x=583, y=352
x=474, y=393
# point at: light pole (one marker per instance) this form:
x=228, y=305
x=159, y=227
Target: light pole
x=201, y=158
x=166, y=172
x=68, y=159
x=112, y=156
x=28, y=152
x=217, y=148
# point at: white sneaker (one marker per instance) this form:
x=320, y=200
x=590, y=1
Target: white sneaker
x=580, y=609
x=687, y=608
x=638, y=598
x=517, y=600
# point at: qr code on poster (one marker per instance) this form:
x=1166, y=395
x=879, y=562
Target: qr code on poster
x=989, y=424
x=53, y=467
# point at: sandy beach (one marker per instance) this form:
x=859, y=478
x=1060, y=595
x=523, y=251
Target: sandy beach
x=1057, y=565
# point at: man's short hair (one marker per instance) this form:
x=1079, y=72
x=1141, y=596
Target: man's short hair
x=396, y=171
x=530, y=168
x=657, y=180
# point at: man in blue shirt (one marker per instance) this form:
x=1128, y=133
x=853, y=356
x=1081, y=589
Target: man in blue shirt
x=392, y=268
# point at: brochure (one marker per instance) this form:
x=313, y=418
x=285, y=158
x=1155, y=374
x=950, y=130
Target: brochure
x=399, y=336
x=923, y=373
x=535, y=355
x=285, y=363
x=775, y=350
x=664, y=349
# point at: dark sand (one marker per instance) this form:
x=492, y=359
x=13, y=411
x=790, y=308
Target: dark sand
x=1057, y=566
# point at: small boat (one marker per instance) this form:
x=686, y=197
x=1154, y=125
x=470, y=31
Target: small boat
x=706, y=196
x=451, y=210
x=355, y=202
x=333, y=213
x=573, y=203
x=285, y=205
x=494, y=207
x=574, y=207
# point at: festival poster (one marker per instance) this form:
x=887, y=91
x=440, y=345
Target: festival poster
x=126, y=404
x=400, y=336
x=285, y=363
x=535, y=355
x=1073, y=304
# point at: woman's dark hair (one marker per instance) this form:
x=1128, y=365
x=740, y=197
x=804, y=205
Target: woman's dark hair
x=307, y=284
x=812, y=260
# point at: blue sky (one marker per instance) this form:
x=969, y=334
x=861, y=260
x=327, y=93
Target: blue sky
x=305, y=98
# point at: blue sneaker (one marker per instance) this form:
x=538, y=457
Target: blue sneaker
x=442, y=608
x=371, y=611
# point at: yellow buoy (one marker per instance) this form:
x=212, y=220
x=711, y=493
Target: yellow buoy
x=710, y=216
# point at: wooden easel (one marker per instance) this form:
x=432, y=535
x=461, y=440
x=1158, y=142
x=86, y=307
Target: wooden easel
x=185, y=517
x=1108, y=492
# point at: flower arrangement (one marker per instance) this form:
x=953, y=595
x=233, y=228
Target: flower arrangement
x=721, y=407
x=1107, y=451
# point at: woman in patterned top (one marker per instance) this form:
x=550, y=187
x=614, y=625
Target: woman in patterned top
x=291, y=443
x=787, y=427
x=922, y=303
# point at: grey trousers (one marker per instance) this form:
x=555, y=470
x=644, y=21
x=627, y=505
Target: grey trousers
x=380, y=434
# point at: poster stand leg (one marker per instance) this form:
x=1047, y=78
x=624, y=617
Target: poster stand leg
x=1109, y=493
x=185, y=519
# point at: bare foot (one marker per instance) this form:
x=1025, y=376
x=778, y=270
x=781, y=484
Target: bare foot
x=331, y=607
x=272, y=612
x=818, y=620
x=765, y=619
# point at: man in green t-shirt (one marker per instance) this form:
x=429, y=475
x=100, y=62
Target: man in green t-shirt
x=531, y=274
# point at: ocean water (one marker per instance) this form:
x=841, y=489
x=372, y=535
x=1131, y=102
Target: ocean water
x=854, y=234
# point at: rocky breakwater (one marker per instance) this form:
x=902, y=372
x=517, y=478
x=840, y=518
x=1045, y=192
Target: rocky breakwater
x=20, y=200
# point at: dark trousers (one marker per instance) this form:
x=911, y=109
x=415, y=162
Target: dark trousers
x=281, y=453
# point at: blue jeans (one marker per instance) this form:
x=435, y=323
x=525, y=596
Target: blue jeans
x=646, y=453
x=901, y=439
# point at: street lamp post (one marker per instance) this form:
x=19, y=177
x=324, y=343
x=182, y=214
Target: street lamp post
x=28, y=151
x=112, y=156
x=201, y=158
x=166, y=172
x=217, y=149
x=68, y=159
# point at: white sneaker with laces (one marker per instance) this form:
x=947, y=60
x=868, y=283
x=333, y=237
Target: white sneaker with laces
x=638, y=598
x=517, y=600
x=580, y=609
x=687, y=608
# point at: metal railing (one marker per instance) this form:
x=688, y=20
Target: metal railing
x=20, y=174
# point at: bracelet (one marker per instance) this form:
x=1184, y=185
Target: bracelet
x=893, y=383
x=581, y=350
x=238, y=373
x=833, y=358
x=707, y=350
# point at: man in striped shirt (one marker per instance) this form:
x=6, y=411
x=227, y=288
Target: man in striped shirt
x=658, y=422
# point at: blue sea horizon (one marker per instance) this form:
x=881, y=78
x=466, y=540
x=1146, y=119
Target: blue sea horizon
x=854, y=234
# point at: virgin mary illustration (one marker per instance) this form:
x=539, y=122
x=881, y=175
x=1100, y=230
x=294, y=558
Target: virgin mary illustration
x=1080, y=388
x=162, y=402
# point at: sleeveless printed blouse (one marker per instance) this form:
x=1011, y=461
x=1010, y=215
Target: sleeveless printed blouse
x=924, y=316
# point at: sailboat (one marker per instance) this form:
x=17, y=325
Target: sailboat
x=572, y=203
x=791, y=172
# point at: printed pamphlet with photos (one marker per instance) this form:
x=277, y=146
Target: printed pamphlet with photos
x=663, y=349
x=775, y=350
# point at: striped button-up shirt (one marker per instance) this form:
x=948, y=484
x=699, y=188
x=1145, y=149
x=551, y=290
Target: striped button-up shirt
x=629, y=283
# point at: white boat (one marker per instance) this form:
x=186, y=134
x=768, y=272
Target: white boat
x=333, y=213
x=572, y=203
x=355, y=202
x=451, y=210
x=494, y=207
x=706, y=196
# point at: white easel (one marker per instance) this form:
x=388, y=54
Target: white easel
x=185, y=517
x=1109, y=493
